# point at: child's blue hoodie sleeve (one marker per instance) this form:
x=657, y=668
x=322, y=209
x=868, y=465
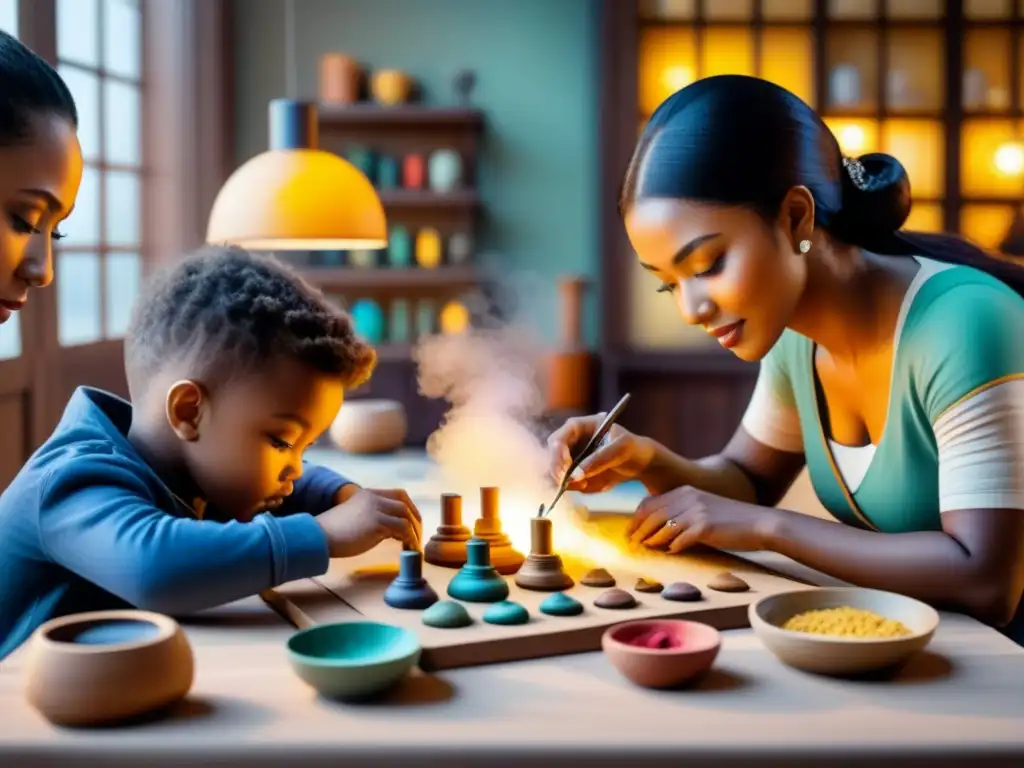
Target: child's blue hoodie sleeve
x=314, y=492
x=97, y=518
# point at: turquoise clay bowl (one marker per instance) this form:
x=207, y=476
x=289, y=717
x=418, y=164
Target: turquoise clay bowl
x=353, y=660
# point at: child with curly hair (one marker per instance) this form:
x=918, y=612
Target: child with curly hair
x=195, y=493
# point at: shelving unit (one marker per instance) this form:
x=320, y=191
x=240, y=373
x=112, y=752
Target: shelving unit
x=393, y=295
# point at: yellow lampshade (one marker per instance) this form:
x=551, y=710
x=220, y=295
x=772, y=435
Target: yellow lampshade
x=298, y=199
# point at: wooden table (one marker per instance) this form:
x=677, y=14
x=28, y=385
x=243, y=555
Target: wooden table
x=961, y=701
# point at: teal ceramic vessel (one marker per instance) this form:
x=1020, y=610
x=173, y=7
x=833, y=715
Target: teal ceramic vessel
x=353, y=660
x=477, y=581
x=368, y=318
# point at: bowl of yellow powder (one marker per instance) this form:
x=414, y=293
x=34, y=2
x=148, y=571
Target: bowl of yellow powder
x=842, y=630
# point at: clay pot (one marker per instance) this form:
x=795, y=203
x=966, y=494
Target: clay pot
x=340, y=76
x=692, y=650
x=369, y=426
x=102, y=667
x=390, y=87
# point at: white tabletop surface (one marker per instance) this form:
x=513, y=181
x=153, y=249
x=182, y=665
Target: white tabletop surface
x=962, y=700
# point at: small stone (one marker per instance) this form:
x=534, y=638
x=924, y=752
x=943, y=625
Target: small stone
x=728, y=582
x=615, y=599
x=681, y=592
x=647, y=585
x=506, y=612
x=598, y=577
x=561, y=604
x=447, y=614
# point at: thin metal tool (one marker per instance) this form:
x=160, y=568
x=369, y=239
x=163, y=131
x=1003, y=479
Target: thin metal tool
x=595, y=441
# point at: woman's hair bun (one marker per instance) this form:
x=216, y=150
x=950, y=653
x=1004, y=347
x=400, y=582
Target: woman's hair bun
x=876, y=200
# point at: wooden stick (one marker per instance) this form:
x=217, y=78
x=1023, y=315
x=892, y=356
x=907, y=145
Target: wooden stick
x=287, y=610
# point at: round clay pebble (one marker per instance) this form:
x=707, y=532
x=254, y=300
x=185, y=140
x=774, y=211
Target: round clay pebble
x=447, y=614
x=598, y=577
x=506, y=612
x=728, y=582
x=681, y=592
x=647, y=585
x=561, y=604
x=615, y=599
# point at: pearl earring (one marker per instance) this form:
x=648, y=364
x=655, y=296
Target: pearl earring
x=805, y=246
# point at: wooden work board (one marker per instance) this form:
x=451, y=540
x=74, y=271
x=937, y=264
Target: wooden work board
x=352, y=590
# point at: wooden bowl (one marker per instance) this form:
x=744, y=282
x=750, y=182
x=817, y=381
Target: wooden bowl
x=353, y=660
x=102, y=667
x=692, y=649
x=369, y=426
x=833, y=655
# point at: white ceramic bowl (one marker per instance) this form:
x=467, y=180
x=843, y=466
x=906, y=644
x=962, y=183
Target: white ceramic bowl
x=370, y=426
x=831, y=655
x=101, y=667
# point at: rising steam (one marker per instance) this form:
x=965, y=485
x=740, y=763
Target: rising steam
x=491, y=434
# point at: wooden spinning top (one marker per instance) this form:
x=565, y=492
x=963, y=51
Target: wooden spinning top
x=447, y=547
x=504, y=558
x=542, y=571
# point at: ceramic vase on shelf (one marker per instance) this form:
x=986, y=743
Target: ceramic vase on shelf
x=399, y=247
x=388, y=173
x=391, y=87
x=445, y=170
x=569, y=366
x=413, y=171
x=428, y=248
x=340, y=79
x=460, y=248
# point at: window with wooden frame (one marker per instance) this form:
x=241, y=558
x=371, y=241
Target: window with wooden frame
x=99, y=261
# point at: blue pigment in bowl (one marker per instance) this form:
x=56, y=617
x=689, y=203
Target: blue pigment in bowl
x=105, y=632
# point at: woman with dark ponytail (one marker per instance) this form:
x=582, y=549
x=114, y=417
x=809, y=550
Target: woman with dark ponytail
x=40, y=170
x=892, y=362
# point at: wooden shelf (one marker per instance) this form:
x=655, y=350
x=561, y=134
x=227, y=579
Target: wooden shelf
x=385, y=278
x=425, y=198
x=409, y=115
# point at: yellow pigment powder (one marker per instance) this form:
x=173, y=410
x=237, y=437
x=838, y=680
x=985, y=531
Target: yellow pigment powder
x=846, y=622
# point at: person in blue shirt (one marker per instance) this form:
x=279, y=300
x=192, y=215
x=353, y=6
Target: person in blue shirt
x=195, y=493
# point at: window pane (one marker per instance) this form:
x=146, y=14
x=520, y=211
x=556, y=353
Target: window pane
x=9, y=24
x=10, y=338
x=83, y=225
x=123, y=114
x=121, y=35
x=78, y=298
x=78, y=33
x=85, y=87
x=124, y=275
x=124, y=208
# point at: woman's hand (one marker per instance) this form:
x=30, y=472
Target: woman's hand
x=687, y=516
x=621, y=456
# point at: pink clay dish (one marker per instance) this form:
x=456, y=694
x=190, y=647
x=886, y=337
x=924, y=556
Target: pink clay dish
x=661, y=653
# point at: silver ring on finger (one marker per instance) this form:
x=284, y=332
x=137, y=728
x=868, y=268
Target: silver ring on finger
x=672, y=524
